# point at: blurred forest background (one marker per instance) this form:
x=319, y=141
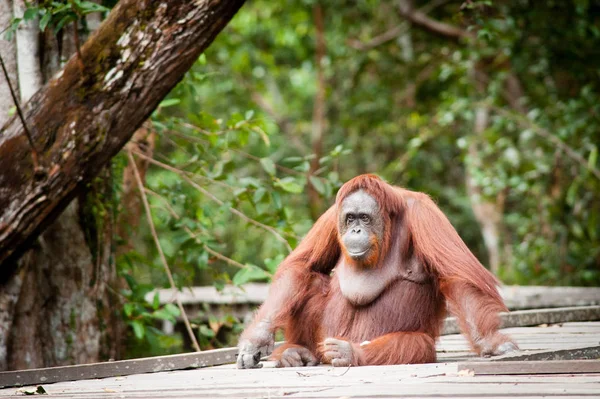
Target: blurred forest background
x=490, y=107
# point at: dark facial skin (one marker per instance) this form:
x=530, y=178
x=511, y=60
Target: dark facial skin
x=360, y=221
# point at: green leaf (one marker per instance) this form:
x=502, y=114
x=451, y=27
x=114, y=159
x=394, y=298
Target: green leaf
x=250, y=273
x=290, y=185
x=272, y=264
x=162, y=314
x=64, y=20
x=263, y=135
x=172, y=309
x=317, y=184
x=156, y=301
x=268, y=165
x=138, y=329
x=128, y=309
x=30, y=13
x=44, y=21
x=207, y=332
x=169, y=102
x=87, y=7
x=593, y=157
x=259, y=194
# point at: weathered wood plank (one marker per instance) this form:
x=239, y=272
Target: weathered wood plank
x=535, y=297
x=532, y=367
x=450, y=348
x=406, y=381
x=523, y=318
x=251, y=293
x=581, y=353
x=118, y=368
x=515, y=297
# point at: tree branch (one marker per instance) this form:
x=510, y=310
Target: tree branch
x=216, y=199
x=379, y=39
x=194, y=235
x=545, y=134
x=421, y=19
x=284, y=123
x=163, y=259
x=394, y=32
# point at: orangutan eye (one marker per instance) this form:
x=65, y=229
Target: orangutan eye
x=365, y=218
x=350, y=218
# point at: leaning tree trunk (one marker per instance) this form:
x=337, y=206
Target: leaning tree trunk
x=9, y=293
x=85, y=115
x=64, y=311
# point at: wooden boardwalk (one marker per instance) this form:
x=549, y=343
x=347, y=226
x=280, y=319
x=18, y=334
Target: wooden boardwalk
x=455, y=375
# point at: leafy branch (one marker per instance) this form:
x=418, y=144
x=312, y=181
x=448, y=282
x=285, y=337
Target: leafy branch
x=185, y=177
x=161, y=253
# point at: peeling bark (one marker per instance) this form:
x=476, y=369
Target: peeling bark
x=9, y=296
x=64, y=314
x=82, y=118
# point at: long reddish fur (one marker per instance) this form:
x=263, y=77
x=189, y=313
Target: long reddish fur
x=466, y=285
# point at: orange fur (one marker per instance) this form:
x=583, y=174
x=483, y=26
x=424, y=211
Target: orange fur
x=398, y=348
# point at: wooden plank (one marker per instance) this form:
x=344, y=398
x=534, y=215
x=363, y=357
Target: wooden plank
x=251, y=293
x=531, y=367
x=515, y=297
x=118, y=368
x=581, y=353
x=523, y=318
x=534, y=297
x=404, y=381
x=225, y=356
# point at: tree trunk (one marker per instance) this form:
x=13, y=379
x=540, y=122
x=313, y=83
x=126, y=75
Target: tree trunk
x=84, y=116
x=28, y=49
x=46, y=327
x=8, y=52
x=487, y=213
x=58, y=309
x=66, y=314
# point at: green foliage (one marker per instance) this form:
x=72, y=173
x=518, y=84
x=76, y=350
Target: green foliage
x=55, y=14
x=140, y=313
x=234, y=138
